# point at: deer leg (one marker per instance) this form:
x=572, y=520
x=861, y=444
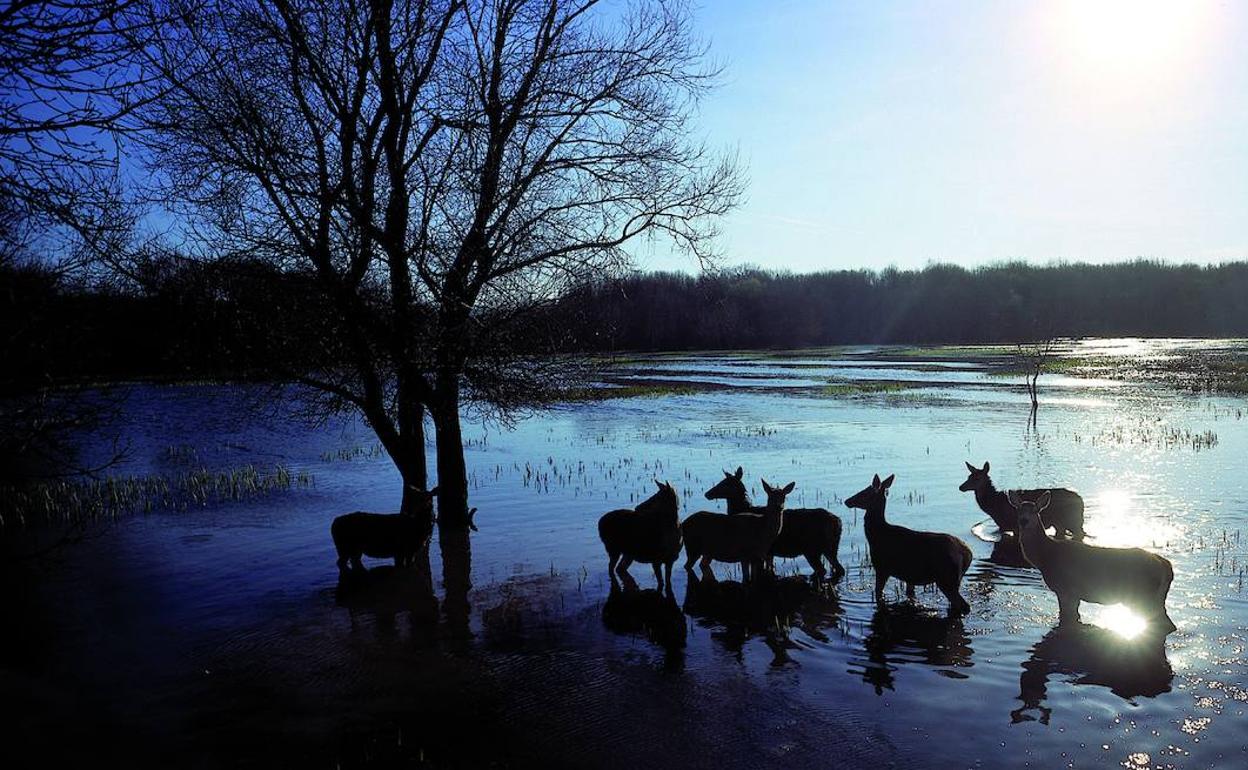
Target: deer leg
x=880, y=579
x=342, y=562
x=1159, y=615
x=690, y=557
x=956, y=603
x=1067, y=609
x=816, y=564
x=658, y=573
x=1169, y=624
x=667, y=568
x=838, y=571
x=625, y=563
x=357, y=562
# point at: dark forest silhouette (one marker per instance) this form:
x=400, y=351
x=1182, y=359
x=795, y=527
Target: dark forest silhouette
x=1011, y=302
x=189, y=323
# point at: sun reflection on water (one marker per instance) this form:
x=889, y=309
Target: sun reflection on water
x=1115, y=521
x=1121, y=620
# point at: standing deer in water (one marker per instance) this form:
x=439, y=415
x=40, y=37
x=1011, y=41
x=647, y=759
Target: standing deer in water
x=385, y=535
x=650, y=534
x=809, y=532
x=1078, y=572
x=744, y=537
x=1065, y=513
x=916, y=558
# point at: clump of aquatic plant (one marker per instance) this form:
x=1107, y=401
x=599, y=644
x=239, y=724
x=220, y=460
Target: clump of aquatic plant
x=1072, y=365
x=358, y=452
x=1151, y=433
x=647, y=390
x=73, y=502
x=864, y=387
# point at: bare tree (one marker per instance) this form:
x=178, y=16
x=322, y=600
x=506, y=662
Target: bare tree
x=1032, y=358
x=67, y=88
x=287, y=131
x=447, y=170
x=571, y=138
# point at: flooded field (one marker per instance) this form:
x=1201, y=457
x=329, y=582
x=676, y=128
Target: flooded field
x=220, y=634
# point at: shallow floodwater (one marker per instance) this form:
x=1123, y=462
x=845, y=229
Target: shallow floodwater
x=221, y=635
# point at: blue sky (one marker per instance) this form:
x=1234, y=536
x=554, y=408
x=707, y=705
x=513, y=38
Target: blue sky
x=900, y=133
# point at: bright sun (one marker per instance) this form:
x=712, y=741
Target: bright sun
x=1130, y=40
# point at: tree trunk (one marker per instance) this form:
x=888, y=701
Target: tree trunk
x=452, y=471
x=411, y=462
x=456, y=549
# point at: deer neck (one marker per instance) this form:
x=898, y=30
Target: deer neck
x=873, y=517
x=1034, y=544
x=774, y=514
x=740, y=503
x=989, y=498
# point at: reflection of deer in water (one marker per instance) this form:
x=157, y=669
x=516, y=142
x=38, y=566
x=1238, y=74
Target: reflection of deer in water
x=940, y=640
x=765, y=609
x=1078, y=572
x=1096, y=656
x=630, y=610
x=1065, y=512
x=916, y=558
x=385, y=592
x=384, y=535
x=650, y=534
x=742, y=537
x=811, y=532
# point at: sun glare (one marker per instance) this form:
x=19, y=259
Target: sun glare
x=1118, y=520
x=1130, y=42
x=1121, y=620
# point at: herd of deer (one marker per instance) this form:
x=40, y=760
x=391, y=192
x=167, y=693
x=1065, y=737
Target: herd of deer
x=750, y=535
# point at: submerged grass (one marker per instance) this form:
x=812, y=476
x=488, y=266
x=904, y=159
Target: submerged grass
x=1073, y=365
x=76, y=502
x=951, y=352
x=647, y=390
x=865, y=387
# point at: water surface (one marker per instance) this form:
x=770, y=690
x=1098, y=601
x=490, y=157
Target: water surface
x=221, y=634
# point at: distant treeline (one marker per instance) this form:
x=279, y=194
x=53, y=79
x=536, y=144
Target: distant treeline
x=57, y=331
x=938, y=304
x=185, y=327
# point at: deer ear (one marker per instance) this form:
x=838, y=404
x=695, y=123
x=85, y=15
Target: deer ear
x=727, y=475
x=985, y=466
x=970, y=467
x=888, y=482
x=658, y=484
x=740, y=471
x=766, y=486
x=789, y=487
x=1043, y=502
x=875, y=481
x=1013, y=497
